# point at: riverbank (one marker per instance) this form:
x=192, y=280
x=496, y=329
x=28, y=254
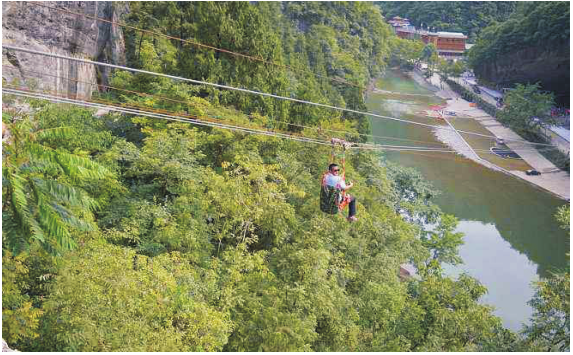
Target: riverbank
x=551, y=179
x=418, y=78
x=510, y=235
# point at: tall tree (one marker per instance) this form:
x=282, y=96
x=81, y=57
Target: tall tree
x=42, y=198
x=526, y=108
x=550, y=328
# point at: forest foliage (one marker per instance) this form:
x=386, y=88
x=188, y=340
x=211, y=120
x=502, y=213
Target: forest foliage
x=543, y=25
x=317, y=42
x=526, y=109
x=126, y=233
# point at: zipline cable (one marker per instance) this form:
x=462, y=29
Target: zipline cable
x=191, y=121
x=481, y=150
x=319, y=129
x=253, y=92
x=27, y=93
x=202, y=118
x=365, y=145
x=155, y=115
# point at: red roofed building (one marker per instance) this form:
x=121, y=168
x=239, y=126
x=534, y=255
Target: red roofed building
x=403, y=28
x=449, y=44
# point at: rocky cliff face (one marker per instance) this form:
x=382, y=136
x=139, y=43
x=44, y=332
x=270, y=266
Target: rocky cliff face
x=531, y=65
x=47, y=30
x=6, y=348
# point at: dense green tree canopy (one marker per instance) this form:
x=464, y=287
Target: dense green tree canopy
x=535, y=24
x=314, y=42
x=526, y=108
x=532, y=46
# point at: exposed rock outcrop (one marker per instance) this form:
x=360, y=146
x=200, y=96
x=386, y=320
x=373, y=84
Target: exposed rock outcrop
x=550, y=67
x=35, y=27
x=6, y=348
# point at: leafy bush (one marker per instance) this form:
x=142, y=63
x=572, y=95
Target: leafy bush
x=107, y=298
x=20, y=318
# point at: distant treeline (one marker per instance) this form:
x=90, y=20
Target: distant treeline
x=534, y=24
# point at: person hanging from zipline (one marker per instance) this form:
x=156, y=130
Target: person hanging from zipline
x=333, y=197
x=334, y=181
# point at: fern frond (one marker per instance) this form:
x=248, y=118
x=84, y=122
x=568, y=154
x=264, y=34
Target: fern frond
x=16, y=242
x=62, y=133
x=48, y=168
x=19, y=200
x=40, y=207
x=81, y=168
x=13, y=237
x=5, y=177
x=54, y=226
x=68, y=217
x=25, y=224
x=73, y=196
x=37, y=232
x=40, y=153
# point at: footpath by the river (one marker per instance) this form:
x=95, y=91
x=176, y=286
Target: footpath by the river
x=551, y=179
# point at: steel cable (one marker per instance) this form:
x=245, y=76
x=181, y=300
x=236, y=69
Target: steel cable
x=255, y=92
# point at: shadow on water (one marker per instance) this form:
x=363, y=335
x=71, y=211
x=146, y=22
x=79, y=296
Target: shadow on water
x=511, y=236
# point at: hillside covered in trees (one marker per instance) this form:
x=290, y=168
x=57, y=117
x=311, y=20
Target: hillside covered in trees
x=468, y=17
x=318, y=41
x=531, y=46
x=127, y=233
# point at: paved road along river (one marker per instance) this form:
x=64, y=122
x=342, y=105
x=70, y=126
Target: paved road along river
x=511, y=236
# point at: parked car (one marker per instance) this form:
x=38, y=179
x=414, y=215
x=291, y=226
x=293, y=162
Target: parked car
x=476, y=89
x=532, y=172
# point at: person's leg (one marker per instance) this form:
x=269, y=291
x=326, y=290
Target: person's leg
x=352, y=207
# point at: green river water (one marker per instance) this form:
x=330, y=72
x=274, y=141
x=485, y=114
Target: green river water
x=511, y=236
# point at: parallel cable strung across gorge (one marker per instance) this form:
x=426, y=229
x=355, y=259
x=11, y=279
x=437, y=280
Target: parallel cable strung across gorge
x=201, y=45
x=370, y=146
x=318, y=129
x=375, y=146
x=259, y=93
x=56, y=99
x=139, y=108
x=193, y=119
x=210, y=123
x=36, y=95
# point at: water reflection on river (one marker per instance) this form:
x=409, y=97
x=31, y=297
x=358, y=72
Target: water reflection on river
x=511, y=237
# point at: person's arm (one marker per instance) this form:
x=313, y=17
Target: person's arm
x=343, y=184
x=348, y=186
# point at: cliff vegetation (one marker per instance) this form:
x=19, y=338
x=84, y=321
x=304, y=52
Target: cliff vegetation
x=531, y=46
